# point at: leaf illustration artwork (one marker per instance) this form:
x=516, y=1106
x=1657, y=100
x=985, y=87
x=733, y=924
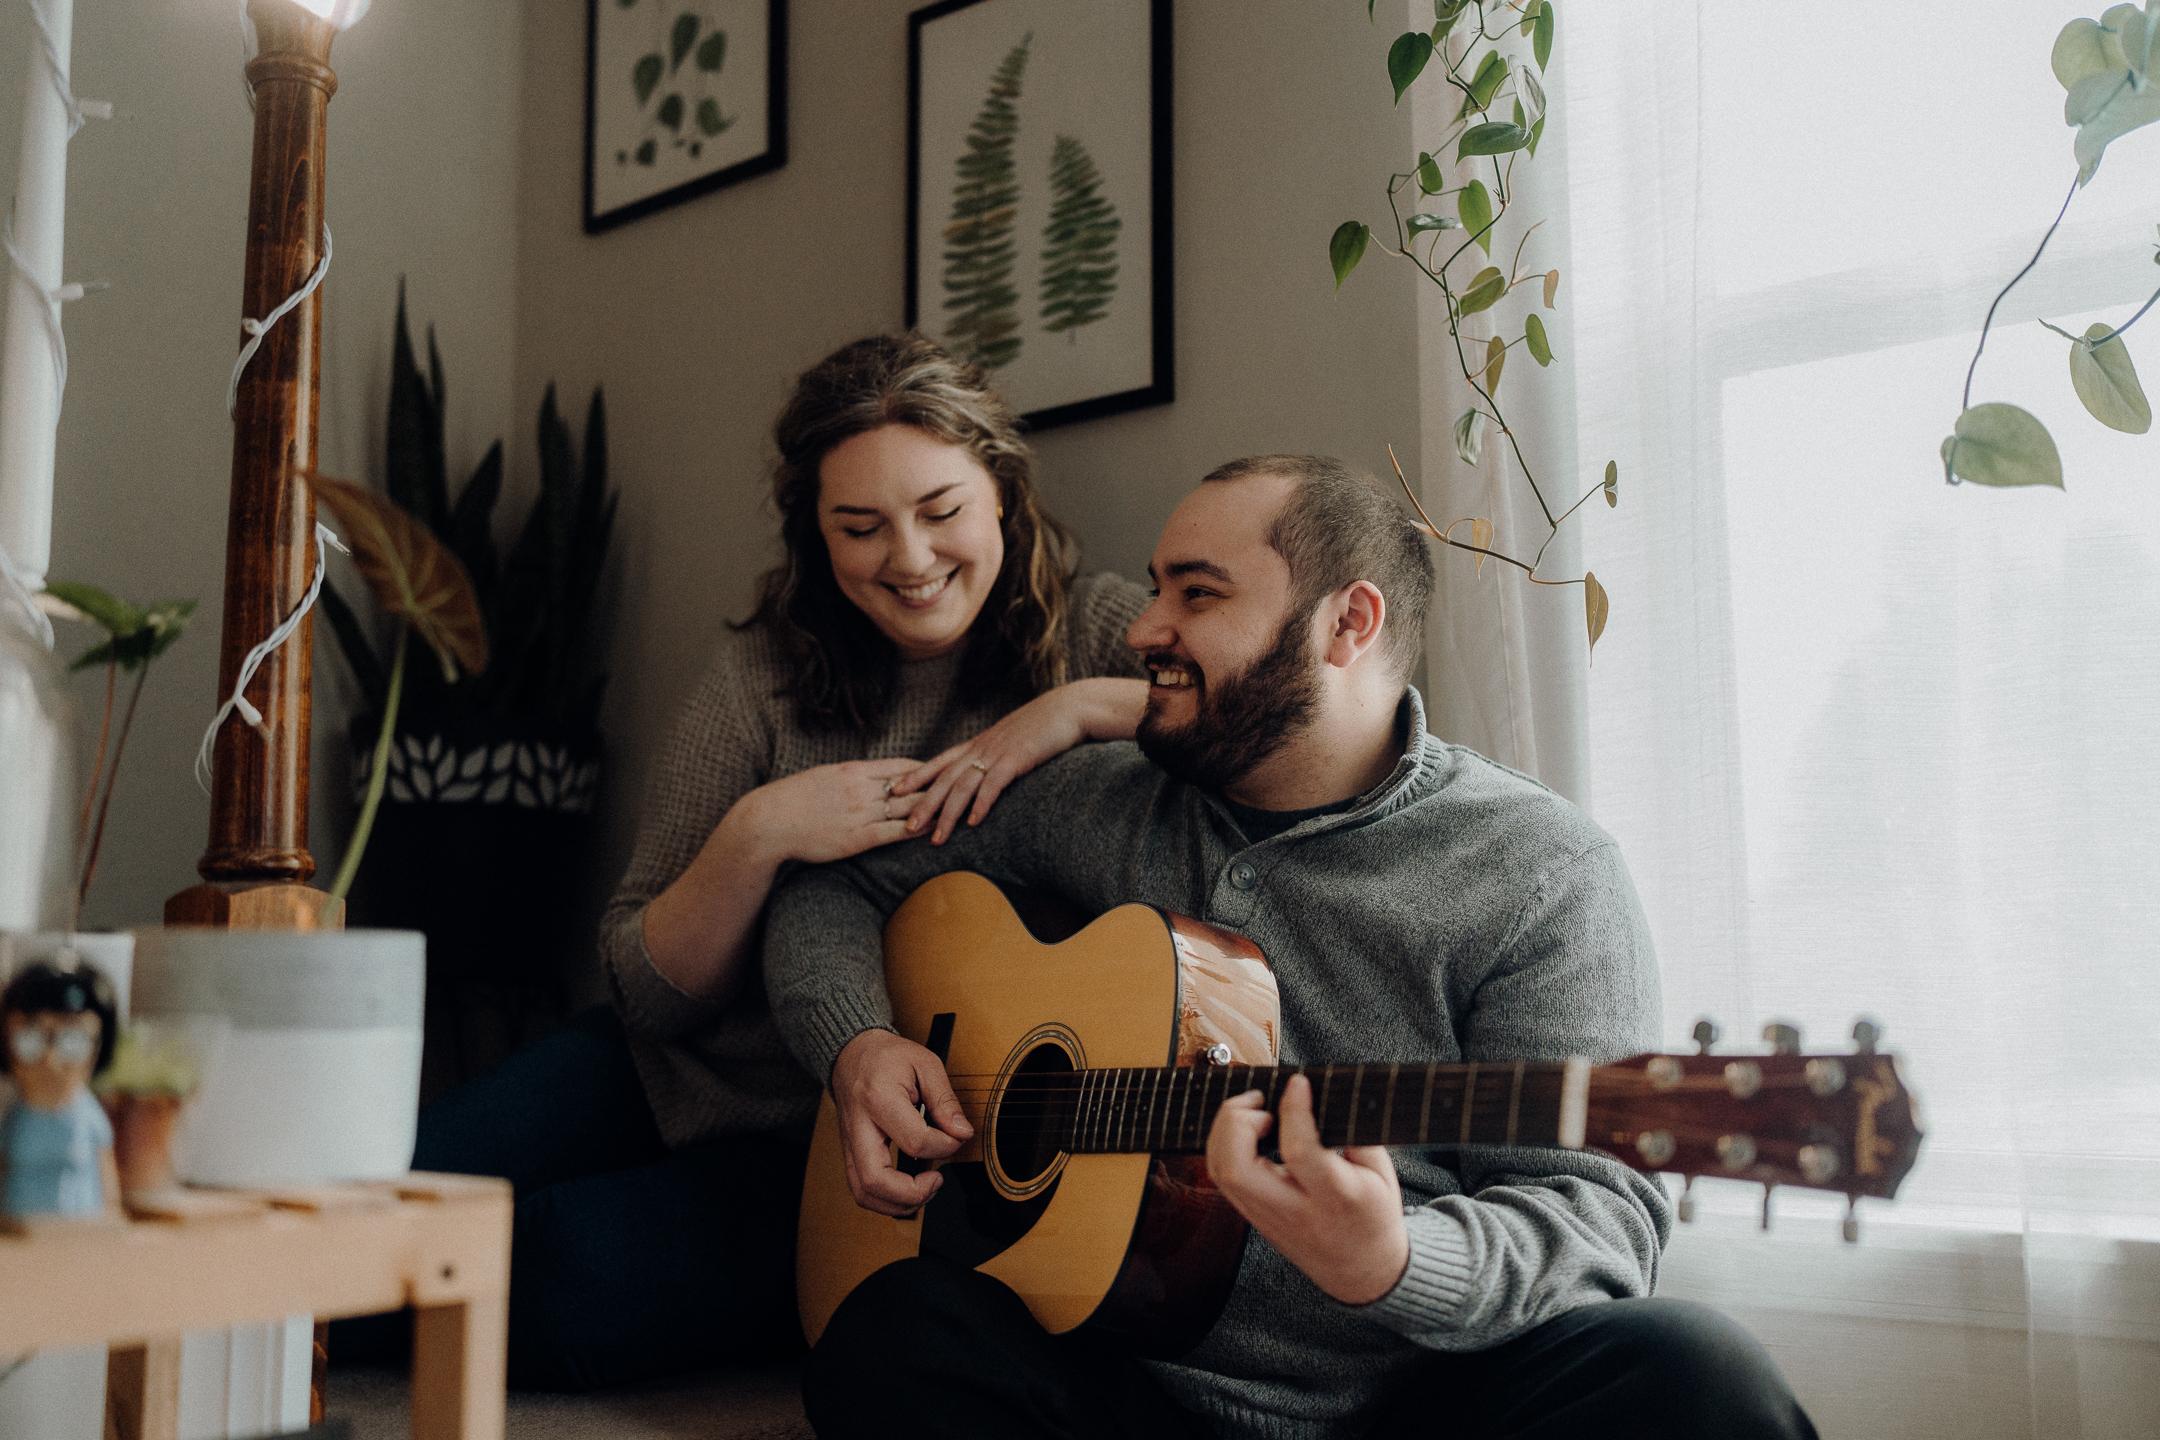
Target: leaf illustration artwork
x=1079, y=254
x=695, y=54
x=979, y=244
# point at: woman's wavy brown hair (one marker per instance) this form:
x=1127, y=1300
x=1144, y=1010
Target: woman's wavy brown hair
x=843, y=666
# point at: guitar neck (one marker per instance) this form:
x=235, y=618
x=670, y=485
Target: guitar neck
x=1170, y=1110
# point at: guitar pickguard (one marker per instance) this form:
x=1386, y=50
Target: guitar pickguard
x=968, y=1221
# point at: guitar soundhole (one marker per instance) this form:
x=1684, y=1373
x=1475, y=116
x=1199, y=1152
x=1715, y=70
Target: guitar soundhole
x=1034, y=1116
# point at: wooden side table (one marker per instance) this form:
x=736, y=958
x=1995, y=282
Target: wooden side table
x=210, y=1259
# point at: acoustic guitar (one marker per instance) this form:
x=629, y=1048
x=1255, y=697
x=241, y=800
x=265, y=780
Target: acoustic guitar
x=1092, y=1067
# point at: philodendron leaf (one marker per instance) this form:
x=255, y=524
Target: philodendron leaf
x=645, y=75
x=1494, y=137
x=1406, y=59
x=1529, y=19
x=99, y=607
x=1541, y=35
x=1474, y=204
x=1537, y=133
x=1491, y=74
x=412, y=574
x=1486, y=288
x=1346, y=248
x=1429, y=178
x=1534, y=337
x=2082, y=48
x=159, y=626
x=2107, y=382
x=1552, y=287
x=1495, y=362
x=1612, y=483
x=1597, y=605
x=1481, y=538
x=1998, y=444
x=1420, y=223
x=1470, y=436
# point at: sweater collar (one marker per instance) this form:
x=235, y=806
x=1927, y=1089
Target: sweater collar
x=1390, y=794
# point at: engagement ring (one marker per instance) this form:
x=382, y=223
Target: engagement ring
x=978, y=762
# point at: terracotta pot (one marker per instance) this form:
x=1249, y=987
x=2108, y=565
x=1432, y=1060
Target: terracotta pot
x=142, y=1140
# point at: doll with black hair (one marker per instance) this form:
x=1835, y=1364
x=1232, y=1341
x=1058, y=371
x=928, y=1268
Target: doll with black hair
x=58, y=1027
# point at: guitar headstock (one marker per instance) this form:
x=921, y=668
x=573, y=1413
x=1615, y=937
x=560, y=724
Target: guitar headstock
x=1843, y=1123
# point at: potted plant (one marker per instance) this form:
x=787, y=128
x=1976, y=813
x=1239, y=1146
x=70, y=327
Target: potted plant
x=489, y=779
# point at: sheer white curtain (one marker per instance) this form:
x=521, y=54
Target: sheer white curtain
x=1871, y=743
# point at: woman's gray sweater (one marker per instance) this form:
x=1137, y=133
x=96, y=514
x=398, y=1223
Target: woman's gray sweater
x=722, y=1070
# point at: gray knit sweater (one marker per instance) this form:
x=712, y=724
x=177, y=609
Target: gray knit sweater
x=1459, y=911
x=709, y=1070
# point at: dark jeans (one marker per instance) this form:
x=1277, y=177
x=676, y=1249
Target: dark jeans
x=628, y=1261
x=927, y=1348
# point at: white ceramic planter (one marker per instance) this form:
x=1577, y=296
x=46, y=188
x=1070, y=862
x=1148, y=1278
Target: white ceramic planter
x=318, y=1077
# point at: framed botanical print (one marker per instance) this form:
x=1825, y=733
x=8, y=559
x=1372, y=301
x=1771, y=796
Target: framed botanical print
x=681, y=97
x=1038, y=226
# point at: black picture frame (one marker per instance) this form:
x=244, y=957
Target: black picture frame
x=1159, y=388
x=772, y=157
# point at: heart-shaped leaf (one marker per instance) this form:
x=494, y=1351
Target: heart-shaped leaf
x=2108, y=384
x=1534, y=337
x=1406, y=59
x=1486, y=288
x=1346, y=248
x=1418, y=224
x=1597, y=605
x=1492, y=72
x=1470, y=436
x=1429, y=178
x=1541, y=35
x=1612, y=483
x=100, y=607
x=2081, y=49
x=1474, y=204
x=1552, y=287
x=1494, y=137
x=1481, y=538
x=1495, y=362
x=412, y=574
x=1998, y=444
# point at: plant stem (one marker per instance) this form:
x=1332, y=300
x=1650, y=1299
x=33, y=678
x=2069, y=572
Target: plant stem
x=1966, y=404
x=2100, y=340
x=112, y=782
x=89, y=799
x=378, y=772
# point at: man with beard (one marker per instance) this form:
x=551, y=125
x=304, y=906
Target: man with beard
x=1415, y=901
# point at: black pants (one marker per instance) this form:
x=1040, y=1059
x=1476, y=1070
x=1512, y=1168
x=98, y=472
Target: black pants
x=928, y=1348
x=628, y=1260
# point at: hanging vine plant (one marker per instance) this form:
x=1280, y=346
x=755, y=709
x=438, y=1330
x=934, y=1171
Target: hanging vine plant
x=2109, y=69
x=1493, y=53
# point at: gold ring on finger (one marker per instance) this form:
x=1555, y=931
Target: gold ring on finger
x=978, y=762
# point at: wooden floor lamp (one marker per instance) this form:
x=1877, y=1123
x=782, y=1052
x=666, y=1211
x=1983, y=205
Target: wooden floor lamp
x=257, y=865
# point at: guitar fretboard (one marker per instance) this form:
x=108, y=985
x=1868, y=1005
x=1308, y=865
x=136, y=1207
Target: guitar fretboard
x=1171, y=1110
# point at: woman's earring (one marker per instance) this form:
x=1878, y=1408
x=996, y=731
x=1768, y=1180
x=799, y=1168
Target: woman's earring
x=1001, y=512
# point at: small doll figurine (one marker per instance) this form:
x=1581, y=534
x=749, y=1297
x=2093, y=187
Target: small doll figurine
x=58, y=1025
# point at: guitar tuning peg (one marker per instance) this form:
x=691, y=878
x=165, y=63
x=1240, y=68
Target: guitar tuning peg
x=1784, y=1039
x=1686, y=1207
x=1850, y=1228
x=1865, y=1034
x=1767, y=1192
x=1705, y=1033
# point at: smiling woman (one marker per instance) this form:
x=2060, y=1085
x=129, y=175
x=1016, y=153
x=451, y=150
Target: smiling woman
x=922, y=643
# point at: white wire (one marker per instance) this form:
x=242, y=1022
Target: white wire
x=257, y=329
x=12, y=584
x=48, y=311
x=238, y=699
x=77, y=110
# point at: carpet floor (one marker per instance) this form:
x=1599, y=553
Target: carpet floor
x=758, y=1404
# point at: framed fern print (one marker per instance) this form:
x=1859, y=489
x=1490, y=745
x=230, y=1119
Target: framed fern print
x=1038, y=227
x=681, y=98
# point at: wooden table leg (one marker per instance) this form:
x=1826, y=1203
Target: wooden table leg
x=142, y=1390
x=459, y=1371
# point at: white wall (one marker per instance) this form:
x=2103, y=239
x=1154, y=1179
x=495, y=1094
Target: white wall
x=422, y=180
x=698, y=318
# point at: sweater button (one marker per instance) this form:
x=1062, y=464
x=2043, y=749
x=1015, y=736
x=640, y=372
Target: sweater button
x=1244, y=876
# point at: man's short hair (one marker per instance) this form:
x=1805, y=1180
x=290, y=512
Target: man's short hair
x=1337, y=527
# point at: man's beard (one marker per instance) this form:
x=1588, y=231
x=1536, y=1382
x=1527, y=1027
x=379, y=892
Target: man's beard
x=1242, y=720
